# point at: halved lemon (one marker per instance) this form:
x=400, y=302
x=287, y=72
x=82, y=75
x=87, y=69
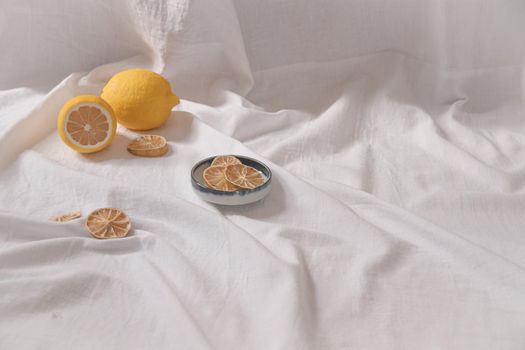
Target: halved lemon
x=215, y=178
x=87, y=124
x=108, y=223
x=225, y=161
x=244, y=176
x=148, y=146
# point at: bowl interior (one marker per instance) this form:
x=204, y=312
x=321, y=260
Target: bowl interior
x=199, y=168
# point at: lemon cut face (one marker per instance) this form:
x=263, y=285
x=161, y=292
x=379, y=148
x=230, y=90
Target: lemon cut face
x=87, y=124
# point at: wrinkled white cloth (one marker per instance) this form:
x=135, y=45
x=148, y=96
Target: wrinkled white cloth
x=395, y=131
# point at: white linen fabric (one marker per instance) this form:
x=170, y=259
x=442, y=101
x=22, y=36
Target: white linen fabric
x=395, y=130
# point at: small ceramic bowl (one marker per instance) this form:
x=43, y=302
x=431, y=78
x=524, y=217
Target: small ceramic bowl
x=230, y=198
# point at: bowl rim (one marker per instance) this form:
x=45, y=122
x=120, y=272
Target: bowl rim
x=196, y=184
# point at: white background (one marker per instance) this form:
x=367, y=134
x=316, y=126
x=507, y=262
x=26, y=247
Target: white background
x=395, y=131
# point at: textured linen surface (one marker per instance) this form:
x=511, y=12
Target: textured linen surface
x=395, y=131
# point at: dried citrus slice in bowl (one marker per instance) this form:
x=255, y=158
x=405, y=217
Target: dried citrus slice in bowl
x=244, y=176
x=225, y=161
x=148, y=146
x=216, y=179
x=87, y=124
x=108, y=223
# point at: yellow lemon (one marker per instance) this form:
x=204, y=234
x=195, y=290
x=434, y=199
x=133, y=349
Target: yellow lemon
x=141, y=99
x=87, y=124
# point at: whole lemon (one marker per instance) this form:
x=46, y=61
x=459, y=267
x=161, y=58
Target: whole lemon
x=141, y=99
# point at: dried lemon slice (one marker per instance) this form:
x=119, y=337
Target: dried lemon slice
x=244, y=176
x=215, y=178
x=148, y=146
x=108, y=223
x=65, y=217
x=225, y=161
